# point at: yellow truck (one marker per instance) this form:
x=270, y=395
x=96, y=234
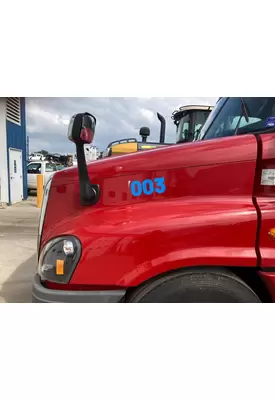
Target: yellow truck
x=188, y=120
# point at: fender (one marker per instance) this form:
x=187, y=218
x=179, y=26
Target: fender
x=216, y=232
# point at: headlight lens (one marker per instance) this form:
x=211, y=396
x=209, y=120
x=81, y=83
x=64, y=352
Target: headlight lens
x=59, y=258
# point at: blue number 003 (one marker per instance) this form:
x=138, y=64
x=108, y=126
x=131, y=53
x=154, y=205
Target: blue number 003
x=160, y=185
x=148, y=187
x=136, y=188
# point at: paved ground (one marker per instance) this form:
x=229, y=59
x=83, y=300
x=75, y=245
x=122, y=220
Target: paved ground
x=18, y=236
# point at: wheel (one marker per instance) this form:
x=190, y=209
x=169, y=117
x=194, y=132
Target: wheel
x=195, y=286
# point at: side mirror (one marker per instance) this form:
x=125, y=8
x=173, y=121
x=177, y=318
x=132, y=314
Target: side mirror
x=81, y=128
x=81, y=131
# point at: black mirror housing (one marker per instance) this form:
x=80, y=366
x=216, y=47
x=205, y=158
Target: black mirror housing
x=81, y=128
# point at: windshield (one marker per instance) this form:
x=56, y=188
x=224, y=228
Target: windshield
x=199, y=118
x=211, y=117
x=228, y=114
x=50, y=167
x=183, y=129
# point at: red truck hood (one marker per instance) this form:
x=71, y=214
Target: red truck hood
x=171, y=157
x=192, y=169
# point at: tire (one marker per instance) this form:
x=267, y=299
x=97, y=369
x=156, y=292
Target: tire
x=195, y=286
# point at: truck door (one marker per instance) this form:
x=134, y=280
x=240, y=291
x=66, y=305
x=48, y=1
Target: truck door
x=245, y=116
x=265, y=198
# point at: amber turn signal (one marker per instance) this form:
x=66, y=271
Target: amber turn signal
x=271, y=233
x=59, y=267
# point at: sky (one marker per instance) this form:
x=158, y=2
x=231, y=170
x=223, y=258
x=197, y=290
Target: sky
x=117, y=118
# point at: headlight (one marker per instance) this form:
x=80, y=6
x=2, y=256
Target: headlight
x=59, y=258
x=43, y=210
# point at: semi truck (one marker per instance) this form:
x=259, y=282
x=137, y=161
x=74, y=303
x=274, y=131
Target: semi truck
x=188, y=223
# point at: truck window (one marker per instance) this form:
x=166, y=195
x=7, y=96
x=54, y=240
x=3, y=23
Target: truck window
x=183, y=128
x=50, y=167
x=199, y=118
x=219, y=105
x=260, y=109
x=34, y=168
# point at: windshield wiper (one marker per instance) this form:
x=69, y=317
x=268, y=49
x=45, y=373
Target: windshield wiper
x=244, y=114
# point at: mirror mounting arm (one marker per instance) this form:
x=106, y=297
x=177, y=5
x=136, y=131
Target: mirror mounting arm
x=89, y=193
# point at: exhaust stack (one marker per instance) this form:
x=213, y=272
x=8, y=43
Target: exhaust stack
x=162, y=128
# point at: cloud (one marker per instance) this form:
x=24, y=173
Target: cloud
x=117, y=117
x=147, y=114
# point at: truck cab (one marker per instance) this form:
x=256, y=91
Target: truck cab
x=188, y=223
x=189, y=121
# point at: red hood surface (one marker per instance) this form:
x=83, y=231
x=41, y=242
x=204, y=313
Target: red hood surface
x=171, y=157
x=190, y=169
x=208, y=183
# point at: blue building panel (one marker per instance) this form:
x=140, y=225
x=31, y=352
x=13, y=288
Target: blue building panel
x=17, y=139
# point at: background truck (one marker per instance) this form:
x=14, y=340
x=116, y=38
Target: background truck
x=132, y=145
x=46, y=168
x=188, y=223
x=188, y=120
